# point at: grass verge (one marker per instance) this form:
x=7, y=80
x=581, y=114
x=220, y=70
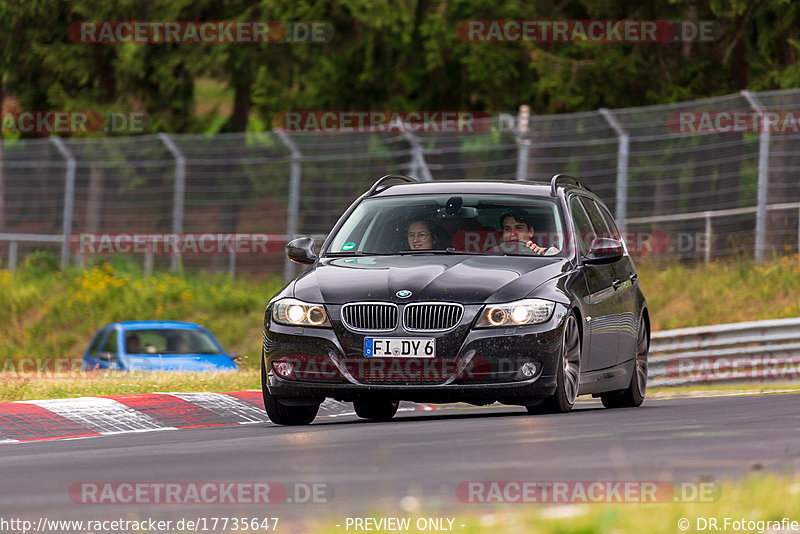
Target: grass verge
x=14, y=388
x=752, y=501
x=722, y=292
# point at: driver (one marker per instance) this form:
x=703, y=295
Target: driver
x=517, y=226
x=132, y=344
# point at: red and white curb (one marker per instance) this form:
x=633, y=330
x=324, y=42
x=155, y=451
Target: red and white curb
x=84, y=417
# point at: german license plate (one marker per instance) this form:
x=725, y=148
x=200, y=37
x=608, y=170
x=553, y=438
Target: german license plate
x=398, y=347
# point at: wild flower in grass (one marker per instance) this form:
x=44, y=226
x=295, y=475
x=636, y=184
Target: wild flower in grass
x=186, y=296
x=95, y=284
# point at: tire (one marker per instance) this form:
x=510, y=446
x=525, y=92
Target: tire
x=568, y=373
x=281, y=414
x=376, y=409
x=633, y=396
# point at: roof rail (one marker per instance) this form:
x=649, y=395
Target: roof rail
x=388, y=177
x=564, y=180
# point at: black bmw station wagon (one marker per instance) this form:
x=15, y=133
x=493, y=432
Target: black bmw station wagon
x=521, y=293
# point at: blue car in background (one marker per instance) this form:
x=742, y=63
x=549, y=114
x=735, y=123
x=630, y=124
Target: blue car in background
x=156, y=346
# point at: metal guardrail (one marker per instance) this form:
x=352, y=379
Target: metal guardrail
x=757, y=350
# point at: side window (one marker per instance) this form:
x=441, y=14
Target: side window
x=609, y=221
x=94, y=348
x=584, y=232
x=111, y=342
x=600, y=227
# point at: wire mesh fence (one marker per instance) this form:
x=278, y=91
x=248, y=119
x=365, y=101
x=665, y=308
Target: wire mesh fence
x=708, y=178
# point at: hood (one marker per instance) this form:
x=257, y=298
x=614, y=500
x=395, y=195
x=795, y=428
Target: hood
x=460, y=278
x=180, y=362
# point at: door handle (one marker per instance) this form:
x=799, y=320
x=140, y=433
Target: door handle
x=616, y=283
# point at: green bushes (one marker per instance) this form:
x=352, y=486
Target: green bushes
x=55, y=314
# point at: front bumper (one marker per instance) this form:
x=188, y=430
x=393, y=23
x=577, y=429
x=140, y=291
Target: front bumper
x=472, y=365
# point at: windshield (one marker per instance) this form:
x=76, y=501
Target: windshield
x=169, y=341
x=473, y=224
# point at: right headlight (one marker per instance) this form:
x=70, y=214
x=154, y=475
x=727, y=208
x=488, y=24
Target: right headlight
x=295, y=312
x=517, y=313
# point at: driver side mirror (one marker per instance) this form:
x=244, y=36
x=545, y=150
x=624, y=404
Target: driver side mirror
x=301, y=250
x=604, y=250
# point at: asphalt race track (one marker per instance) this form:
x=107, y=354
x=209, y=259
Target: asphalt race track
x=425, y=455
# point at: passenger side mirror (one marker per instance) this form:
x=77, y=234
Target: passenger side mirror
x=301, y=250
x=604, y=250
x=106, y=356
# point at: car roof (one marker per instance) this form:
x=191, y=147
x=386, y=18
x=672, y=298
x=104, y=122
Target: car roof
x=539, y=189
x=493, y=187
x=155, y=325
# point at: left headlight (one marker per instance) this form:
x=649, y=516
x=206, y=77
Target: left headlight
x=295, y=312
x=517, y=313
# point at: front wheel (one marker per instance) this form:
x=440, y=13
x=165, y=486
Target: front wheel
x=376, y=409
x=282, y=414
x=568, y=373
x=633, y=396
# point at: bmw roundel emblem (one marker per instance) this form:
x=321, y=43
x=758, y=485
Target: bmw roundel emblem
x=404, y=293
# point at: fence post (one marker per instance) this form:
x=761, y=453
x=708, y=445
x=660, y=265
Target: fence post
x=178, y=195
x=707, y=248
x=418, y=163
x=148, y=260
x=232, y=263
x=12, y=256
x=763, y=176
x=623, y=149
x=523, y=142
x=293, y=211
x=69, y=198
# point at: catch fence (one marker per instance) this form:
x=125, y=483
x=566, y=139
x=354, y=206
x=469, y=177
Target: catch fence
x=704, y=185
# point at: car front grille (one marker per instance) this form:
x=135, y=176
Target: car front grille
x=431, y=317
x=370, y=316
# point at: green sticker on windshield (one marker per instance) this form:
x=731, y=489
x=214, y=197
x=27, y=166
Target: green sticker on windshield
x=349, y=246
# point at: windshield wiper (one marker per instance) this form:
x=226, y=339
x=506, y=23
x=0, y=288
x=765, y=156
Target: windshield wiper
x=449, y=250
x=424, y=251
x=356, y=253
